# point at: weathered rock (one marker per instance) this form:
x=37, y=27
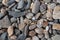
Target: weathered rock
x=40, y=35
x=5, y=23
x=56, y=37
x=29, y=15
x=17, y=32
x=10, y=31
x=35, y=38
x=36, y=7
x=32, y=33
x=17, y=0
x=47, y=1
x=43, y=38
x=1, y=31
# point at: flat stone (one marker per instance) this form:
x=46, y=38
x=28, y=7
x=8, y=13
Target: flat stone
x=5, y=23
x=56, y=37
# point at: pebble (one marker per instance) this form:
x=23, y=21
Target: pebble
x=31, y=27
x=29, y=15
x=28, y=38
x=32, y=33
x=10, y=30
x=35, y=38
x=36, y=6
x=56, y=12
x=39, y=30
x=20, y=4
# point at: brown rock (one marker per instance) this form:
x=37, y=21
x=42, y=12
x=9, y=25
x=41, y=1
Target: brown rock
x=10, y=30
x=32, y=33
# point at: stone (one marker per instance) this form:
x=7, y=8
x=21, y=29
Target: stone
x=47, y=1
x=17, y=0
x=29, y=15
x=1, y=31
x=40, y=35
x=36, y=6
x=56, y=26
x=21, y=26
x=13, y=19
x=0, y=0
x=58, y=1
x=51, y=5
x=32, y=33
x=5, y=23
x=56, y=37
x=28, y=38
x=31, y=27
x=20, y=4
x=43, y=38
x=56, y=12
x=39, y=30
x=17, y=32
x=37, y=15
x=43, y=7
x=3, y=36
x=13, y=37
x=35, y=38
x=10, y=30
x=40, y=23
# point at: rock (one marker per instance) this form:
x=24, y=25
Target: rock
x=13, y=19
x=31, y=27
x=51, y=5
x=39, y=30
x=5, y=23
x=32, y=33
x=1, y=31
x=28, y=38
x=36, y=7
x=29, y=15
x=47, y=1
x=43, y=38
x=3, y=36
x=56, y=37
x=56, y=12
x=40, y=35
x=5, y=2
x=20, y=4
x=17, y=32
x=13, y=37
x=37, y=15
x=47, y=28
x=17, y=0
x=43, y=7
x=33, y=18
x=40, y=23
x=35, y=38
x=58, y=1
x=21, y=26
x=10, y=30
x=0, y=0
x=56, y=26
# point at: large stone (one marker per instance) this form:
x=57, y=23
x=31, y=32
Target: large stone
x=5, y=23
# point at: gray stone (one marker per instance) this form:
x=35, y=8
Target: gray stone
x=47, y=1
x=56, y=37
x=58, y=1
x=36, y=6
x=5, y=23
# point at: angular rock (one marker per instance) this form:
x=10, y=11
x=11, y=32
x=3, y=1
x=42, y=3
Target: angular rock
x=5, y=23
x=36, y=7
